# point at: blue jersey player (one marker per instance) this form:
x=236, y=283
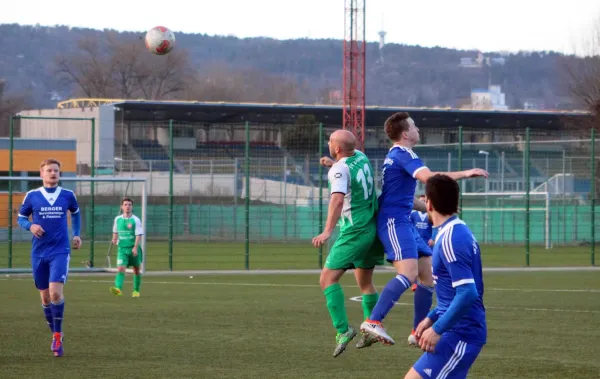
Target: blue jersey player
x=401, y=170
x=51, y=248
x=421, y=222
x=453, y=334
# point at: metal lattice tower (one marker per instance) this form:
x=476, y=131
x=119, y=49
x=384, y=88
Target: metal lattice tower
x=354, y=69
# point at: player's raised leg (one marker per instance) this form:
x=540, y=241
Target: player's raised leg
x=402, y=252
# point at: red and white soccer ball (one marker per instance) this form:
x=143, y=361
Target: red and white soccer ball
x=160, y=40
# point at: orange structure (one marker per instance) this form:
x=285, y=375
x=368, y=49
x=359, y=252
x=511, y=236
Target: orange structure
x=27, y=155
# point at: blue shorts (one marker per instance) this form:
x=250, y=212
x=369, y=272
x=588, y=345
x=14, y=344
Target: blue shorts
x=422, y=247
x=451, y=359
x=52, y=269
x=401, y=240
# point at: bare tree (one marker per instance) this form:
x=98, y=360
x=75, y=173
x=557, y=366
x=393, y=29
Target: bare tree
x=118, y=66
x=89, y=68
x=165, y=77
x=9, y=106
x=219, y=82
x=582, y=74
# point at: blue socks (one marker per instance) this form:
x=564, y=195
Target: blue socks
x=390, y=294
x=48, y=314
x=423, y=300
x=57, y=314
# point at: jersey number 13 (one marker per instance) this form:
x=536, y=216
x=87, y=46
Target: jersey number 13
x=365, y=178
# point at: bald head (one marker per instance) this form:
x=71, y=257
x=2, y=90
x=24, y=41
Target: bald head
x=345, y=140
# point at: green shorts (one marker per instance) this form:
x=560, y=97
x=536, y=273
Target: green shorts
x=125, y=257
x=357, y=248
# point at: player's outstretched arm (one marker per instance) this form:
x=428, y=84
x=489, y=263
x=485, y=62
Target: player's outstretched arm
x=424, y=174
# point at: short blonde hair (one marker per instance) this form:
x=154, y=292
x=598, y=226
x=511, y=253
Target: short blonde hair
x=48, y=162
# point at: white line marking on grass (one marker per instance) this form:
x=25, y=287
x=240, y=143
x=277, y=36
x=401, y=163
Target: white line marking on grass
x=542, y=290
x=355, y=298
x=240, y=284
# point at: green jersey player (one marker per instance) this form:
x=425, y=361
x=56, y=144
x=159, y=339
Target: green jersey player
x=353, y=204
x=127, y=235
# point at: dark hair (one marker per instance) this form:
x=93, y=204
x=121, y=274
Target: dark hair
x=126, y=199
x=443, y=192
x=396, y=124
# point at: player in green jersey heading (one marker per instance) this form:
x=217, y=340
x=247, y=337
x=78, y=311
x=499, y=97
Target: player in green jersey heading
x=353, y=204
x=127, y=235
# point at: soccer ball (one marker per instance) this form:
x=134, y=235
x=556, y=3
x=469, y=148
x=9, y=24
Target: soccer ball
x=160, y=40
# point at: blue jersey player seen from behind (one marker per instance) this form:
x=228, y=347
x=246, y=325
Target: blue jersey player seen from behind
x=403, y=246
x=423, y=224
x=51, y=246
x=453, y=333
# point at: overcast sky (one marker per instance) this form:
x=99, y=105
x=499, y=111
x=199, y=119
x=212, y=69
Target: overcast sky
x=509, y=25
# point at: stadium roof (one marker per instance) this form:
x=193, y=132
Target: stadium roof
x=272, y=113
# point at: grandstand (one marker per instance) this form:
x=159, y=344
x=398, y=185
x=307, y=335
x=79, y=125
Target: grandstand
x=209, y=138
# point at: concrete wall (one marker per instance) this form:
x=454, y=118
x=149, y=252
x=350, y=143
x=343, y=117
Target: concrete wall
x=79, y=130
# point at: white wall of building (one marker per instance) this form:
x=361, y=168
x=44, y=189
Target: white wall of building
x=80, y=130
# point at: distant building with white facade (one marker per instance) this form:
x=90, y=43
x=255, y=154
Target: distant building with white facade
x=491, y=98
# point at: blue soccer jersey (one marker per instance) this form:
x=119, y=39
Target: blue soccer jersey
x=394, y=227
x=421, y=221
x=398, y=182
x=457, y=261
x=48, y=208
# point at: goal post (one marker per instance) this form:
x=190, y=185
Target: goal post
x=99, y=201
x=500, y=217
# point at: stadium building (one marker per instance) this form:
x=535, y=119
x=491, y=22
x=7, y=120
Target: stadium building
x=133, y=137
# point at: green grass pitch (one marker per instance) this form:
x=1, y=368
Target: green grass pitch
x=541, y=325
x=203, y=255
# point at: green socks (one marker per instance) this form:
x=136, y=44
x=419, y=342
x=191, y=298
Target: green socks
x=368, y=303
x=119, y=279
x=137, y=279
x=336, y=306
